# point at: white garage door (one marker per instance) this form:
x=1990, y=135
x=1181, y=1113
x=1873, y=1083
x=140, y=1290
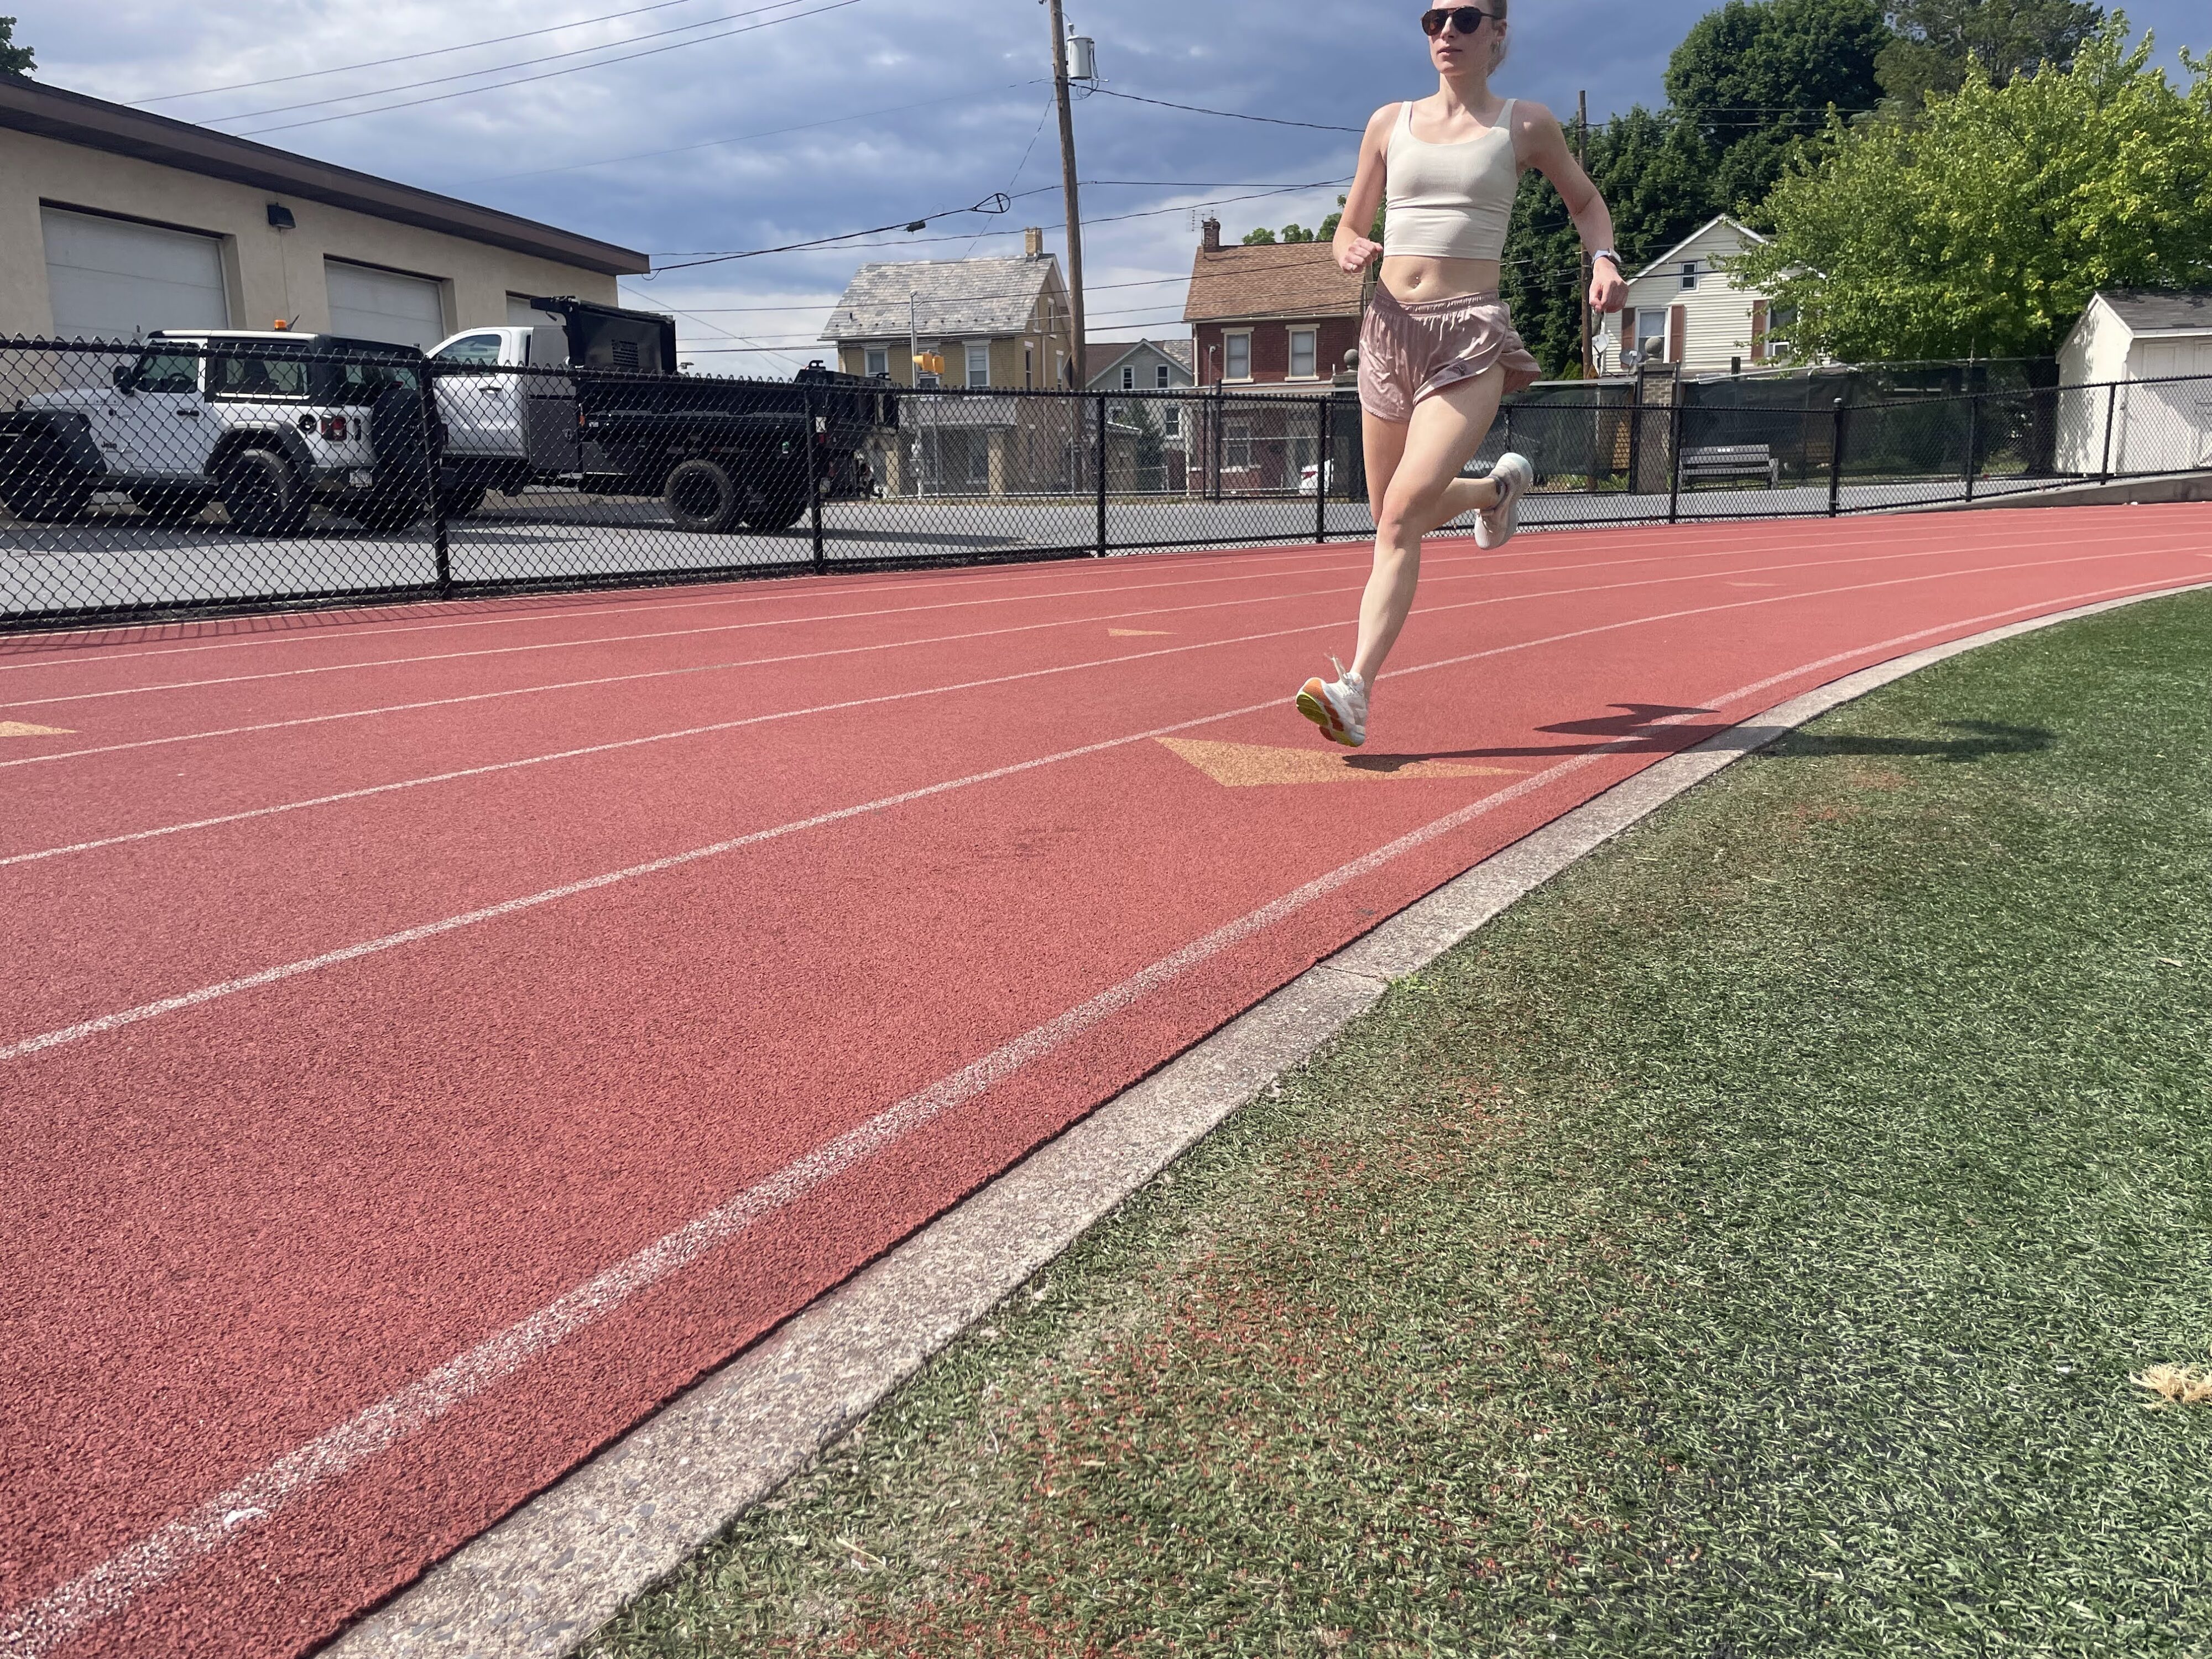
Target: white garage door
x=113, y=280
x=368, y=304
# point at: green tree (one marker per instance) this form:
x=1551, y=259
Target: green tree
x=1936, y=39
x=1656, y=176
x=1983, y=229
x=13, y=59
x=1262, y=237
x=1756, y=75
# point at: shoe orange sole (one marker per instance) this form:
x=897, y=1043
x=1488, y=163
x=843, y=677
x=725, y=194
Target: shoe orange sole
x=1315, y=706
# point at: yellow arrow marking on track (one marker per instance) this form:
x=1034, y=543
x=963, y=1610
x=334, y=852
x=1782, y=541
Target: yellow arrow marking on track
x=1244, y=765
x=21, y=729
x=1137, y=632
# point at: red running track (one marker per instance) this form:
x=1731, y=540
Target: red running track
x=435, y=1039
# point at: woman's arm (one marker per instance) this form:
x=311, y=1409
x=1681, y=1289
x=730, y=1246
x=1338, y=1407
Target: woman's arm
x=1355, y=249
x=1543, y=146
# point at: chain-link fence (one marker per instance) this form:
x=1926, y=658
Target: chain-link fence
x=179, y=475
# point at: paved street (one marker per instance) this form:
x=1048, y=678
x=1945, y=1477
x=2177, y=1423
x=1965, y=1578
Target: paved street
x=116, y=558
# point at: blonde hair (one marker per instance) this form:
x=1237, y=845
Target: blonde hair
x=1498, y=46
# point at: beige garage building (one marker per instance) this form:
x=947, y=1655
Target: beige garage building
x=113, y=221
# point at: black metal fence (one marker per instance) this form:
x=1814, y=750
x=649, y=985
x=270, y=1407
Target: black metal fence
x=171, y=477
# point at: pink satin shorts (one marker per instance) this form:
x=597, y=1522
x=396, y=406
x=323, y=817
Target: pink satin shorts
x=1409, y=352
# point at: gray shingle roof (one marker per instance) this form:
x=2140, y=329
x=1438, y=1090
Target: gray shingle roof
x=2145, y=310
x=1105, y=354
x=950, y=296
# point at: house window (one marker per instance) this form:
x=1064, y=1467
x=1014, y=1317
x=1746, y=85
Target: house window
x=1161, y=377
x=1237, y=444
x=1029, y=367
x=1237, y=356
x=1304, y=351
x=1689, y=273
x=877, y=361
x=979, y=363
x=1128, y=378
x=1171, y=420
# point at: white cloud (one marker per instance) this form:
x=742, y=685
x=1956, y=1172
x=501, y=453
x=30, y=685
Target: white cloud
x=867, y=115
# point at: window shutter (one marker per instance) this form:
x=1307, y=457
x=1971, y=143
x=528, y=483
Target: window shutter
x=1678, y=332
x=1758, y=330
x=1628, y=329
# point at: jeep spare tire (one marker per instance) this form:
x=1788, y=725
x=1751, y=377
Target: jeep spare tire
x=261, y=492
x=702, y=495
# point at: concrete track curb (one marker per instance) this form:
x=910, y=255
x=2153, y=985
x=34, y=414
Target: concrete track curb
x=542, y=1581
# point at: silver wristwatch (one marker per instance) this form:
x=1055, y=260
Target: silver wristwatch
x=1608, y=253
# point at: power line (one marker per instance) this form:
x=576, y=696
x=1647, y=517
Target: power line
x=1115, y=218
x=998, y=202
x=574, y=69
x=497, y=68
x=410, y=57
x=747, y=137
x=1227, y=114
x=1040, y=190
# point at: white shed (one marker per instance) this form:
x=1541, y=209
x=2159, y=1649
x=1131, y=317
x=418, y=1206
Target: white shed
x=2143, y=345
x=1685, y=307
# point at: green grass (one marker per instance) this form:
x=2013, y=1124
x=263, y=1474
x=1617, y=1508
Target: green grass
x=1743, y=1247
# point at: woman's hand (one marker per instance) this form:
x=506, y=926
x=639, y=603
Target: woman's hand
x=1608, y=289
x=1355, y=253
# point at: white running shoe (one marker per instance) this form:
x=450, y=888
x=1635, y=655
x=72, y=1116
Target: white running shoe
x=1494, y=525
x=1339, y=706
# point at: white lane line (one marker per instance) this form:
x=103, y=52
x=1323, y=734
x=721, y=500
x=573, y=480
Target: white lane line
x=887, y=645
x=1470, y=554
x=338, y=630
x=429, y=930
x=790, y=588
x=557, y=645
x=368, y=791
x=36, y=1628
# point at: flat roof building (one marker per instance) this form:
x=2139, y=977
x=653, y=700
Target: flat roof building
x=114, y=222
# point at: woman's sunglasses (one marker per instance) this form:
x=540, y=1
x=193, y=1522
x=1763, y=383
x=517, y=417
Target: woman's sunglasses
x=1465, y=19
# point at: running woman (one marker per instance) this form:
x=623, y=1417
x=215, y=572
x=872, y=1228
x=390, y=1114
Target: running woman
x=1437, y=348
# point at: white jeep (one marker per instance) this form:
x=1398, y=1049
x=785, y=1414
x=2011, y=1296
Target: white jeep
x=266, y=423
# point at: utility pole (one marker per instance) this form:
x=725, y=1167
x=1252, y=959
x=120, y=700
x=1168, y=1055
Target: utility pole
x=1068, y=188
x=1581, y=159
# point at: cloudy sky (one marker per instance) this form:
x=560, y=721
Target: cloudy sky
x=687, y=127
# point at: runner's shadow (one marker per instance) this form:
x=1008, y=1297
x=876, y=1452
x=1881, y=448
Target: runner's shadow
x=1635, y=730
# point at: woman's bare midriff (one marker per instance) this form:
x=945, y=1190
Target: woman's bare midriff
x=1414, y=277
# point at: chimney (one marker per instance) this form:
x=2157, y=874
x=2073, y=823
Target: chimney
x=1033, y=242
x=1211, y=229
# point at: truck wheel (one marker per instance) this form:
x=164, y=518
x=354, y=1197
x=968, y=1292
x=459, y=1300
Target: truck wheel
x=701, y=495
x=171, y=506
x=776, y=504
x=386, y=513
x=41, y=486
x=261, y=492
x=462, y=500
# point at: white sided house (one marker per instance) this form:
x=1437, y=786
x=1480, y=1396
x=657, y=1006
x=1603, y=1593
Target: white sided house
x=1685, y=308
x=2143, y=346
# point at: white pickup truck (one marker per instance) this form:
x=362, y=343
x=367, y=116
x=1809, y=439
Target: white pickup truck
x=266, y=422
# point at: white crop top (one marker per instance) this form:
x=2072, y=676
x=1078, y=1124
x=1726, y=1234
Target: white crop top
x=1449, y=201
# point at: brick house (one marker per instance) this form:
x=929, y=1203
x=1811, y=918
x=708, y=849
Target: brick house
x=1270, y=328
x=1280, y=315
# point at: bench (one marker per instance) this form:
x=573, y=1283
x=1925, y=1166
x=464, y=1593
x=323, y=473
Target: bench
x=1732, y=461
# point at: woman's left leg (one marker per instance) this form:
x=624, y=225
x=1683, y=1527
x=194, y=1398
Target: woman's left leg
x=1426, y=490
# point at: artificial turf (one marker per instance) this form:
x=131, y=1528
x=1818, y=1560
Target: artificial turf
x=1744, y=1246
